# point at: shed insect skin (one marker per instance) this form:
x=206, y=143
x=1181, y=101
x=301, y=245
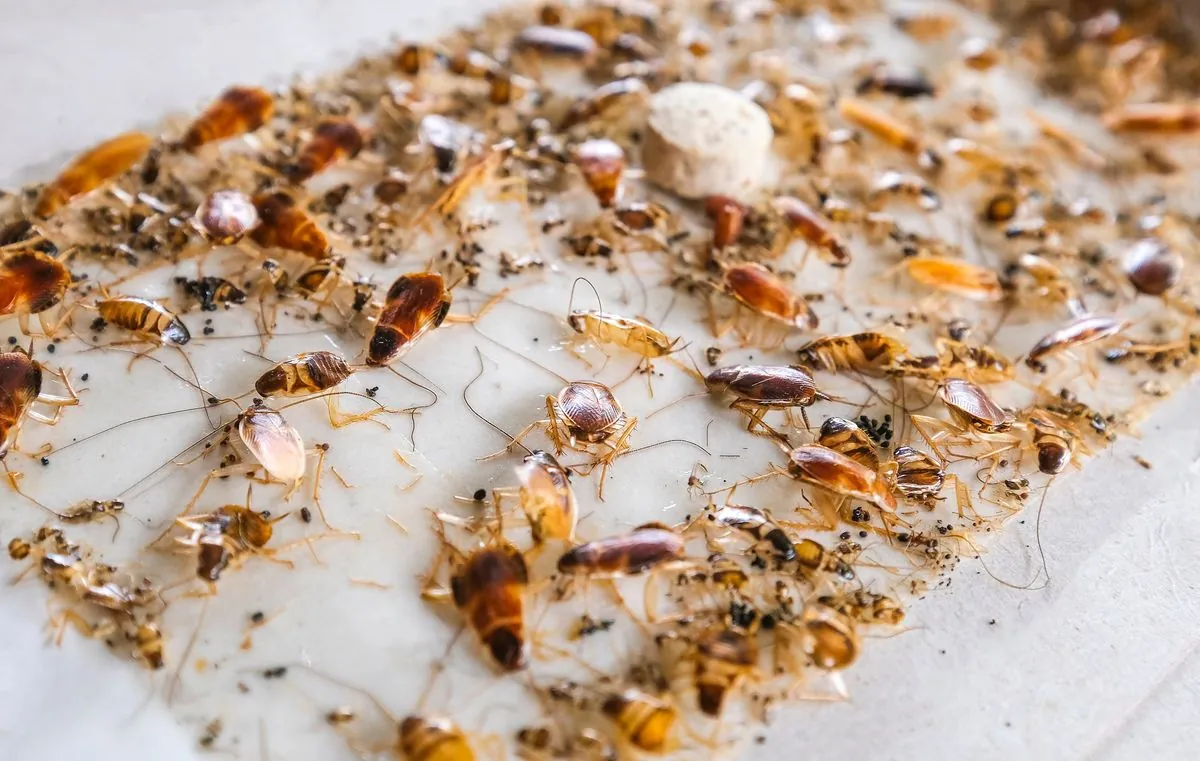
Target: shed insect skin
x=332, y=141
x=1084, y=330
x=415, y=304
x=31, y=282
x=869, y=353
x=759, y=388
x=235, y=112
x=805, y=221
x=285, y=225
x=92, y=169
x=644, y=548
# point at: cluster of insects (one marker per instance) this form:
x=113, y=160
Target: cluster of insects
x=903, y=339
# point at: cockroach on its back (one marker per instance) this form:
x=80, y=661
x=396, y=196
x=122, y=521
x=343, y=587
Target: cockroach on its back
x=433, y=738
x=93, y=168
x=725, y=654
x=869, y=353
x=644, y=721
x=918, y=477
x=212, y=291
x=235, y=112
x=1054, y=443
x=846, y=437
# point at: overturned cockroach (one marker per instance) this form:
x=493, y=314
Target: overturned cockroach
x=754, y=522
x=212, y=292
x=235, y=112
x=868, y=353
x=846, y=437
x=91, y=169
x=225, y=536
x=1054, y=442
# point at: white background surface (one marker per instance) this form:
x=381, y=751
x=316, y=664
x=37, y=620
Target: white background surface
x=1101, y=664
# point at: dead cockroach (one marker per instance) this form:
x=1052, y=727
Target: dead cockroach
x=1083, y=330
x=975, y=362
x=903, y=83
x=972, y=408
x=832, y=641
x=487, y=585
x=332, y=140
x=909, y=186
x=601, y=162
x=917, y=477
x=235, y=112
x=1153, y=267
x=225, y=217
x=586, y=417
x=632, y=333
x=846, y=437
x=147, y=319
x=212, y=291
x=1055, y=444
x=812, y=555
x=227, y=535
x=606, y=99
x=955, y=276
x=92, y=509
x=868, y=353
x=93, y=168
x=286, y=225
x=20, y=389
x=808, y=223
x=760, y=388
x=1155, y=117
x=724, y=656
x=32, y=282
x=840, y=475
x=882, y=125
x=640, y=550
x=756, y=523
x=550, y=42
x=415, y=304
x=763, y=299
x=645, y=722
x=728, y=216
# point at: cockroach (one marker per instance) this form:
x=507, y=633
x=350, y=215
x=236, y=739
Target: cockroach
x=415, y=304
x=644, y=548
x=92, y=510
x=882, y=125
x=1083, y=330
x=832, y=641
x=1152, y=267
x=549, y=42
x=148, y=645
x=1161, y=118
x=225, y=536
x=332, y=140
x=605, y=99
x=846, y=437
x=725, y=655
x=433, y=738
x=1054, y=443
x=235, y=112
x=225, y=216
x=760, y=388
x=840, y=475
x=415, y=58
x=918, y=477
x=974, y=362
x=92, y=169
x=868, y=353
x=487, y=586
x=903, y=83
x=909, y=186
x=32, y=282
x=145, y=318
x=285, y=225
x=728, y=216
x=809, y=224
x=644, y=721
x=309, y=373
x=212, y=291
x=972, y=408
x=812, y=555
x=20, y=389
x=1051, y=282
x=756, y=523
x=1001, y=207
x=766, y=299
x=954, y=276
x=601, y=162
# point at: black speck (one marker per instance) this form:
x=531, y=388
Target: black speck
x=12, y=340
x=50, y=348
x=275, y=673
x=372, y=391
x=45, y=460
x=257, y=617
x=84, y=377
x=209, y=330
x=306, y=515
x=480, y=494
